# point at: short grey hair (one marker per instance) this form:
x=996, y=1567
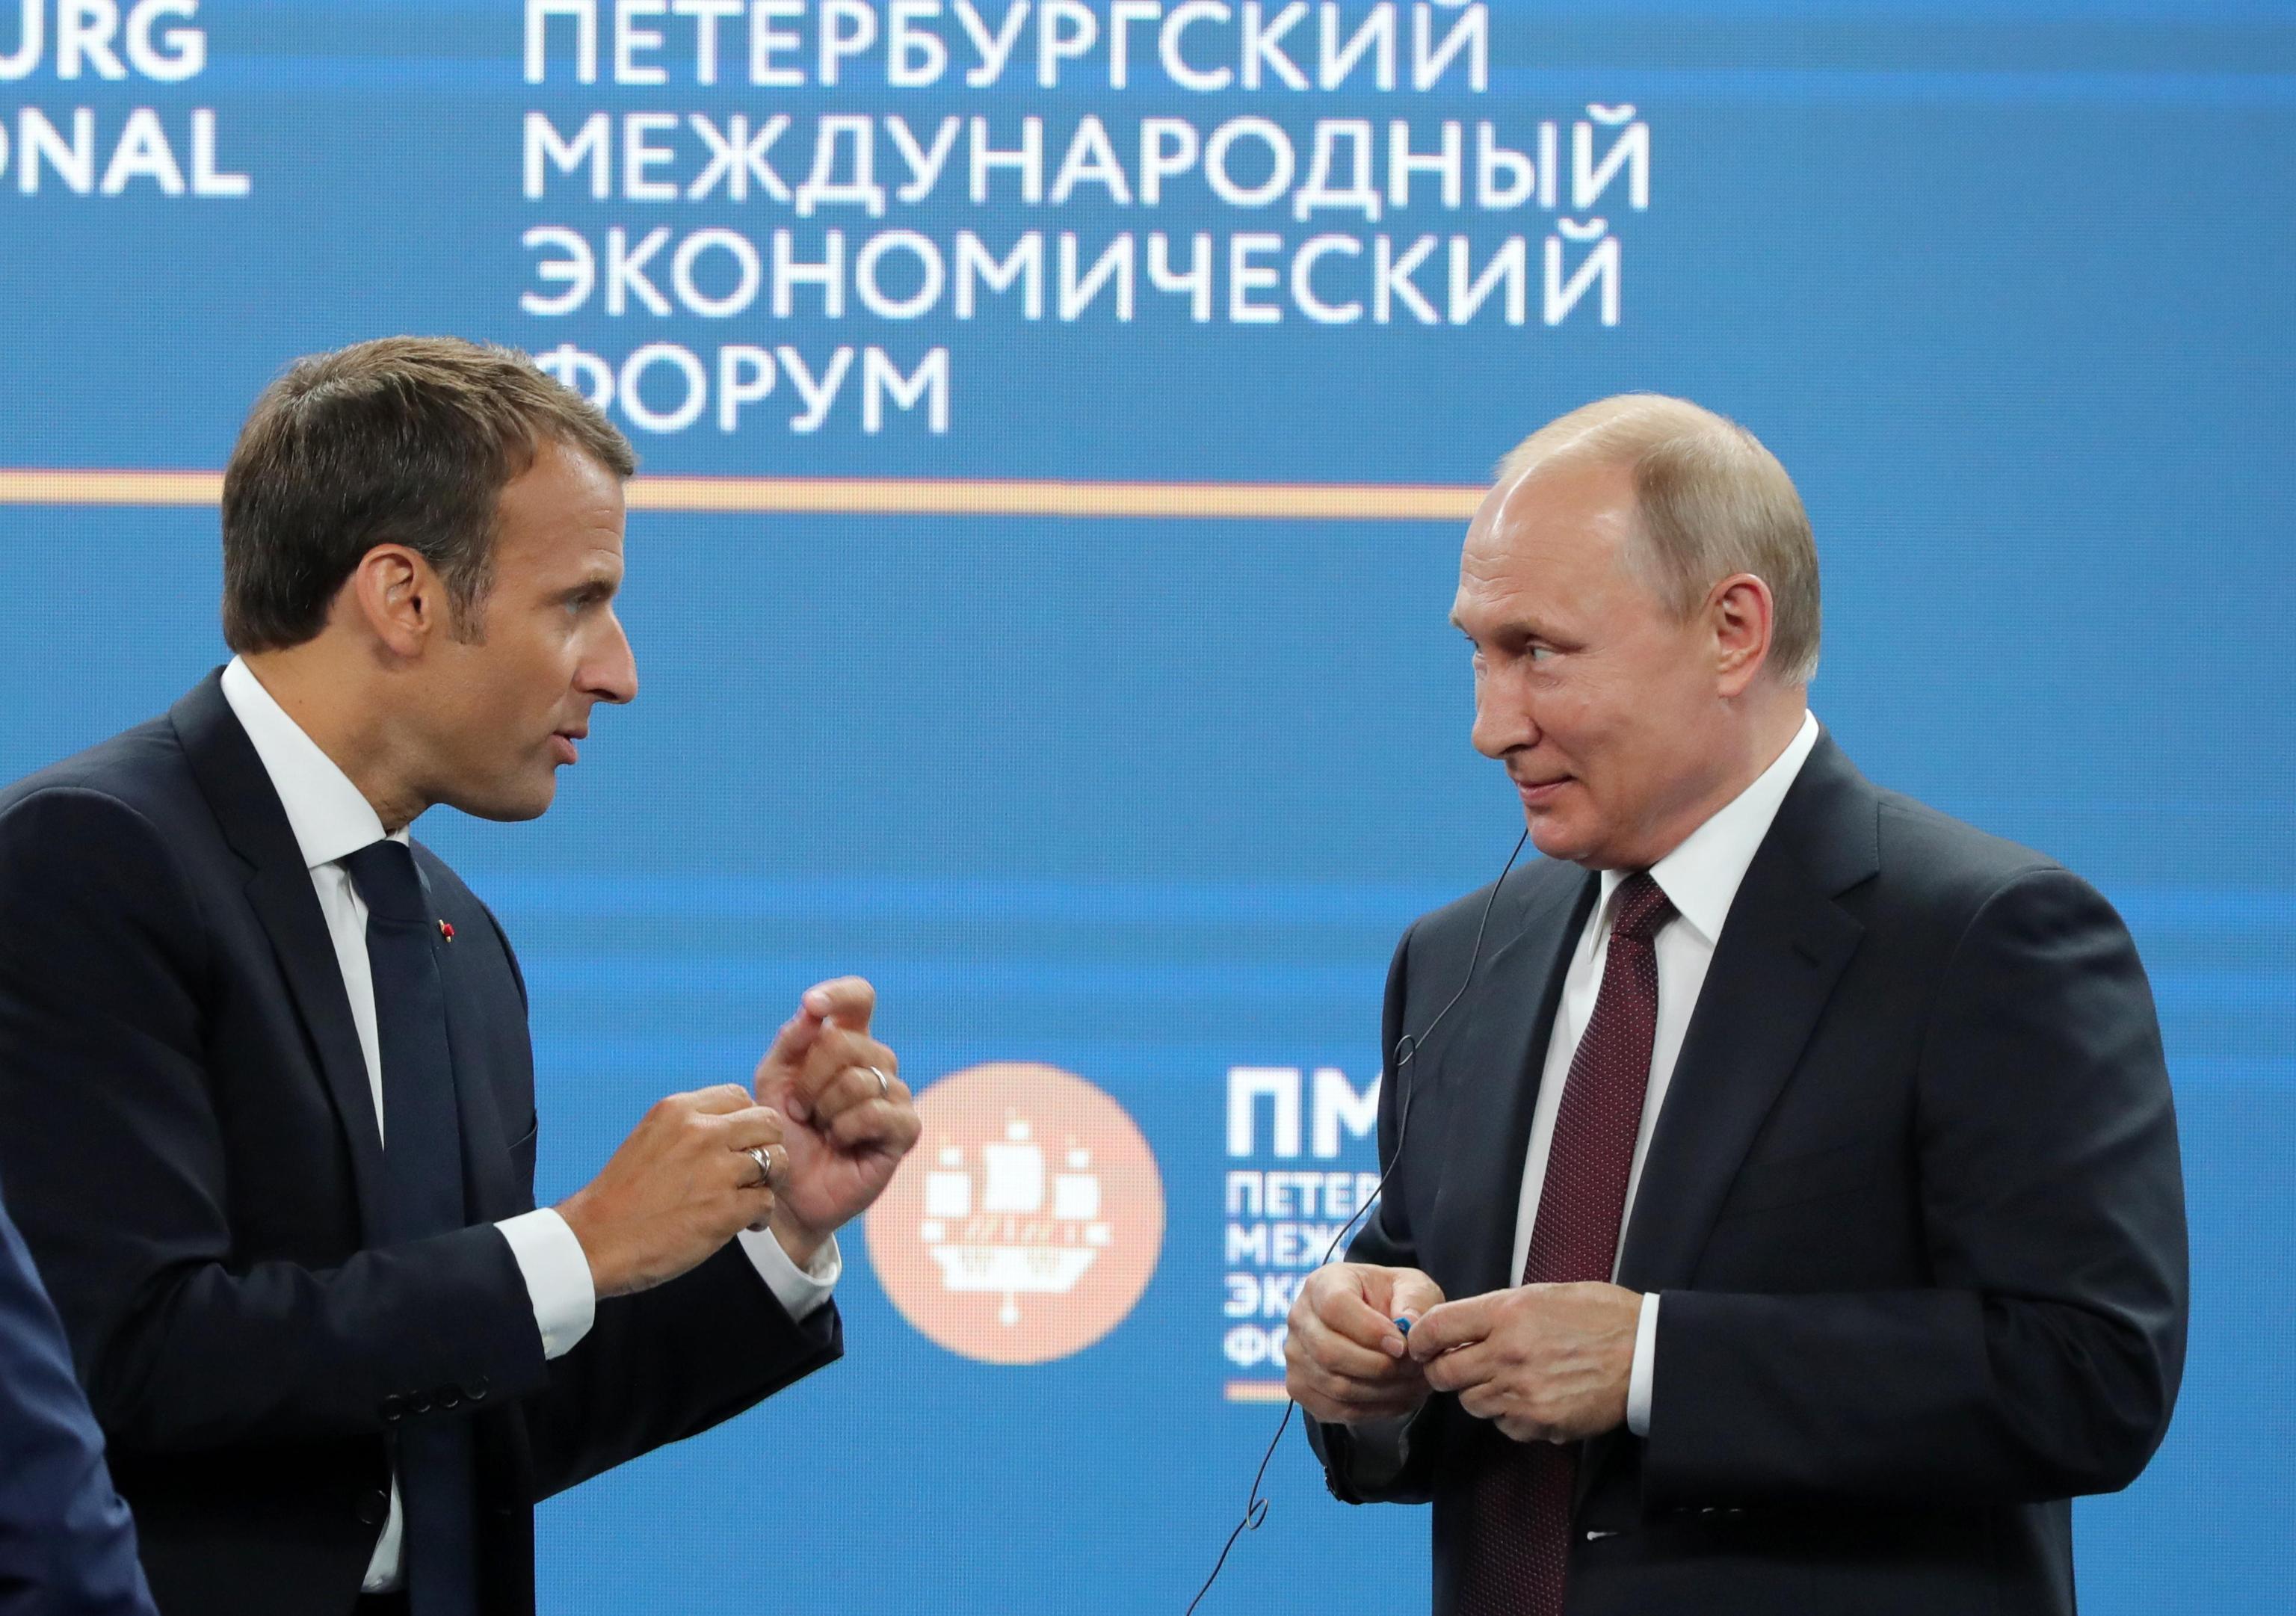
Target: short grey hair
x=1713, y=502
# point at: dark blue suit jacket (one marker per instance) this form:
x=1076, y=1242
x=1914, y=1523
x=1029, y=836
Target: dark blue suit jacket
x=189, y=1141
x=67, y=1546
x=1913, y=1208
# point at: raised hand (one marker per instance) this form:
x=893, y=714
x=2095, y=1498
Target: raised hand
x=851, y=1119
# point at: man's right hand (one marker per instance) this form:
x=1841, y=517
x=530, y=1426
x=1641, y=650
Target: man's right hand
x=680, y=1186
x=1344, y=1360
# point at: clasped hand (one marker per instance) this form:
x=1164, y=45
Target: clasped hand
x=1544, y=1362
x=1345, y=1361
x=831, y=1132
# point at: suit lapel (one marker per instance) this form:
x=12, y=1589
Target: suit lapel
x=1781, y=952
x=224, y=761
x=1496, y=1062
x=490, y=1189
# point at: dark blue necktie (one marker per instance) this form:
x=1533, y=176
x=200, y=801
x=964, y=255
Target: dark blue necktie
x=422, y=1166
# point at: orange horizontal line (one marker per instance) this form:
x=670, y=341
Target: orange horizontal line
x=870, y=496
x=1257, y=1391
x=42, y=488
x=934, y=497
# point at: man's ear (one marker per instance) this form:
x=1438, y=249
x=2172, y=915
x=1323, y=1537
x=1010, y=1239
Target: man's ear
x=397, y=597
x=1742, y=613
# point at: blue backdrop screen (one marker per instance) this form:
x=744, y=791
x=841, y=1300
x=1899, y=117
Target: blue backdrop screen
x=1059, y=422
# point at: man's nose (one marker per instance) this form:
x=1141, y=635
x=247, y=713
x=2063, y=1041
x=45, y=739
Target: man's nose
x=1502, y=718
x=612, y=673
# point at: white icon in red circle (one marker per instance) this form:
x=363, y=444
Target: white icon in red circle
x=1031, y=1220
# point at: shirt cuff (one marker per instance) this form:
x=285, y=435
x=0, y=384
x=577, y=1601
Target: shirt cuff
x=557, y=1277
x=801, y=1292
x=1638, y=1385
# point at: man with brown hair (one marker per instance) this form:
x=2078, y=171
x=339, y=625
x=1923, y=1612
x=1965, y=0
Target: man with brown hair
x=1785, y=1216
x=266, y=1107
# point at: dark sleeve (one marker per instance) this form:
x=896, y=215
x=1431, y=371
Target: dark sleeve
x=1386, y=1240
x=67, y=1546
x=113, y=1151
x=2044, y=1360
x=665, y=1364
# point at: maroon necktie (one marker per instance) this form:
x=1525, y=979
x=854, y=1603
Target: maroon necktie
x=1518, y=1532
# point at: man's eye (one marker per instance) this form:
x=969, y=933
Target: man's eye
x=1540, y=653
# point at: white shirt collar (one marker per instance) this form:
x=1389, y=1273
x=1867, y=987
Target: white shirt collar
x=1700, y=877
x=329, y=816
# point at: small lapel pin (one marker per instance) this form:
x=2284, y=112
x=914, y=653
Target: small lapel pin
x=446, y=930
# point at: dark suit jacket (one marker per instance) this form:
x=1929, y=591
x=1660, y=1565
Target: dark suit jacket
x=67, y=1546
x=1913, y=1206
x=189, y=1141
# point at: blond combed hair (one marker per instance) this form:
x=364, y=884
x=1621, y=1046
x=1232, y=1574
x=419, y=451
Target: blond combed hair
x=1714, y=503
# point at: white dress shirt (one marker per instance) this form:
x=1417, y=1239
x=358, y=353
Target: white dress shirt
x=332, y=819
x=1701, y=878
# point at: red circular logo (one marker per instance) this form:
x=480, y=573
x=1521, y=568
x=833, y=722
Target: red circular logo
x=1028, y=1221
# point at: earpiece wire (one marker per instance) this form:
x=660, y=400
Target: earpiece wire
x=1407, y=1049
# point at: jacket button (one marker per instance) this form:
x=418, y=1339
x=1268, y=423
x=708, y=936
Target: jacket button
x=478, y=1389
x=419, y=1403
x=373, y=1507
x=394, y=1407
x=447, y=1397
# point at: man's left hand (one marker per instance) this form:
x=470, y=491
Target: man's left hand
x=1543, y=1363
x=849, y=1126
